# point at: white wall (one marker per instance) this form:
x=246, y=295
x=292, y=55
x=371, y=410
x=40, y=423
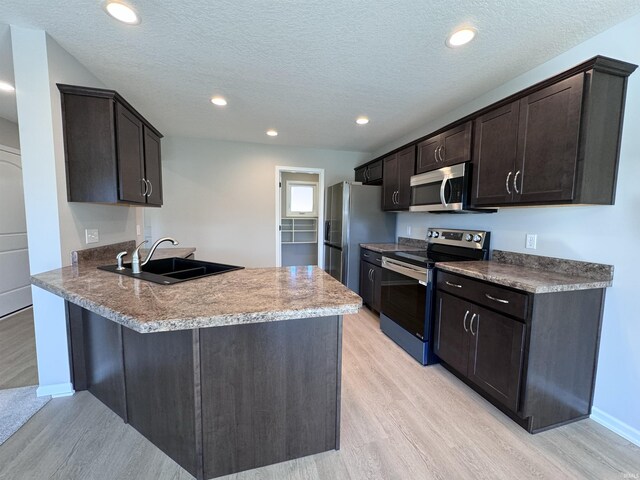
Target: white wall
x=9, y=134
x=220, y=196
x=54, y=226
x=580, y=232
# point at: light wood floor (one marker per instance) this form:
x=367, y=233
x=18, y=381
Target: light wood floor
x=399, y=421
x=18, y=350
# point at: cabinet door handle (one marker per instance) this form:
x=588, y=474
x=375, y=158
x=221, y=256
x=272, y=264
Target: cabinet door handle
x=515, y=182
x=421, y=282
x=473, y=317
x=464, y=321
x=371, y=274
x=146, y=187
x=499, y=300
x=150, y=188
x=506, y=183
x=441, y=153
x=365, y=255
x=435, y=154
x=453, y=285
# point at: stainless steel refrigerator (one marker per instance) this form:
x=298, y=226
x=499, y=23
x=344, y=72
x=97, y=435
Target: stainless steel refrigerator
x=353, y=215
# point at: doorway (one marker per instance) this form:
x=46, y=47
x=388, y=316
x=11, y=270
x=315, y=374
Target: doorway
x=15, y=283
x=299, y=214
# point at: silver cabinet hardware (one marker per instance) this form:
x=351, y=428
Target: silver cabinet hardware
x=366, y=255
x=464, y=321
x=515, y=182
x=453, y=285
x=441, y=152
x=473, y=317
x=150, y=188
x=371, y=274
x=506, y=183
x=435, y=155
x=422, y=283
x=499, y=300
x=119, y=260
x=146, y=187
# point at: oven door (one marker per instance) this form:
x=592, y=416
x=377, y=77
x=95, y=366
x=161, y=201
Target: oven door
x=404, y=296
x=438, y=191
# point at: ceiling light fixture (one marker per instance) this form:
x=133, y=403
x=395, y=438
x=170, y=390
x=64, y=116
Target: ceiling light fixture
x=219, y=101
x=461, y=37
x=7, y=87
x=121, y=12
x=272, y=133
x=362, y=120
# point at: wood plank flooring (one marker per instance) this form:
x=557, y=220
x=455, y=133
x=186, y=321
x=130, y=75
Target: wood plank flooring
x=399, y=421
x=18, y=350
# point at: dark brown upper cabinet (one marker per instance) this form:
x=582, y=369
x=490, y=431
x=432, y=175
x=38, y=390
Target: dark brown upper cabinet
x=370, y=174
x=112, y=152
x=396, y=189
x=444, y=149
x=557, y=143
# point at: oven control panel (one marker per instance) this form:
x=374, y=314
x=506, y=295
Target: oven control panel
x=458, y=238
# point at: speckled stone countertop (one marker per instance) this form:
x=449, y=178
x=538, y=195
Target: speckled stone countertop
x=403, y=245
x=251, y=295
x=533, y=273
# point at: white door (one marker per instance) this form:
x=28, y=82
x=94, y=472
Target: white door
x=15, y=286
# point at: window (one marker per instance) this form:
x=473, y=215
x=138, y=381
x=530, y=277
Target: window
x=301, y=199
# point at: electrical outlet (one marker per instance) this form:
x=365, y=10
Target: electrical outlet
x=138, y=230
x=531, y=241
x=91, y=235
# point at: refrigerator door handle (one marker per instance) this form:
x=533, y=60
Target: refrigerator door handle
x=327, y=230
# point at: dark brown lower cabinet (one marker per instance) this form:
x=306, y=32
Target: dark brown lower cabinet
x=534, y=356
x=217, y=400
x=371, y=279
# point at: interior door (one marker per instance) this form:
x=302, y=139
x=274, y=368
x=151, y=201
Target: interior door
x=15, y=284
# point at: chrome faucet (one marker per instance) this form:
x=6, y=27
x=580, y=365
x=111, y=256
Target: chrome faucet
x=135, y=259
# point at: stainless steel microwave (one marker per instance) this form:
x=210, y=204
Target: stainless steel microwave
x=443, y=190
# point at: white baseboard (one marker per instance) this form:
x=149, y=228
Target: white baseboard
x=616, y=425
x=56, y=390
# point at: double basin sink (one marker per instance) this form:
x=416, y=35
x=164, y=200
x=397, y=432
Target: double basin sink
x=167, y=271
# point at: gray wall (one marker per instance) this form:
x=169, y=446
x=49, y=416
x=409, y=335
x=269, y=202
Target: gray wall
x=605, y=234
x=9, y=134
x=220, y=197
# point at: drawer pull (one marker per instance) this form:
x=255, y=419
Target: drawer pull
x=453, y=284
x=464, y=321
x=366, y=255
x=499, y=300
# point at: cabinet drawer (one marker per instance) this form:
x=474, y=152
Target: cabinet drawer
x=492, y=296
x=370, y=256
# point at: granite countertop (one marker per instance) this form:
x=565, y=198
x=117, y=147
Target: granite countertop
x=534, y=274
x=390, y=247
x=251, y=295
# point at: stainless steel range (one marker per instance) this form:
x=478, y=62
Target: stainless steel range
x=408, y=286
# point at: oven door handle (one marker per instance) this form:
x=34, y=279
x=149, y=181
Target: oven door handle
x=415, y=273
x=443, y=186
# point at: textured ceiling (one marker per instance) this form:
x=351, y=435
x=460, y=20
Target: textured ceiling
x=308, y=68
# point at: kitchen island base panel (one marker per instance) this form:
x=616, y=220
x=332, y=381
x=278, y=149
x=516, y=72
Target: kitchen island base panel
x=217, y=400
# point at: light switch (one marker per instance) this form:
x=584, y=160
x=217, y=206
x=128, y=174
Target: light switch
x=91, y=235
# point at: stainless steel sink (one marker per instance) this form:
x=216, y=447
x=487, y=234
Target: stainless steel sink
x=173, y=270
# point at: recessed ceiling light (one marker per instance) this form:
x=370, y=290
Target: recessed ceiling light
x=6, y=87
x=272, y=133
x=460, y=37
x=121, y=12
x=219, y=101
x=362, y=120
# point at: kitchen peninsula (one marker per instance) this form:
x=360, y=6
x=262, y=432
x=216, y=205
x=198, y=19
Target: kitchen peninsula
x=224, y=373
